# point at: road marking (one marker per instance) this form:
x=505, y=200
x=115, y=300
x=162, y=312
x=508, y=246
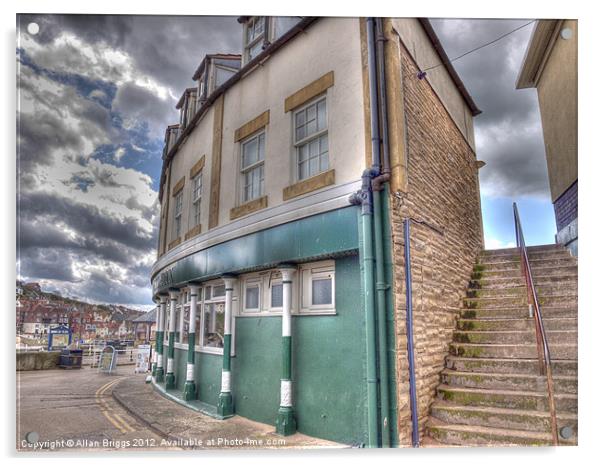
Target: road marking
x=108, y=412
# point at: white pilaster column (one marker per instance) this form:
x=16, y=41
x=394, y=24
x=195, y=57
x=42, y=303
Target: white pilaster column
x=170, y=379
x=160, y=372
x=285, y=422
x=225, y=407
x=182, y=315
x=189, y=387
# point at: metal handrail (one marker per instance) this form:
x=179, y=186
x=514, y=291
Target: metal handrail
x=543, y=349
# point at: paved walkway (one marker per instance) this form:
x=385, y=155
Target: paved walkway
x=185, y=428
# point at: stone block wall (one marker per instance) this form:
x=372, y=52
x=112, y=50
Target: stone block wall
x=442, y=198
x=34, y=361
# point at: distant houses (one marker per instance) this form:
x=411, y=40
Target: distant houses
x=37, y=311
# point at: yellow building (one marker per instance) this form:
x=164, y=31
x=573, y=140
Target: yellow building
x=550, y=66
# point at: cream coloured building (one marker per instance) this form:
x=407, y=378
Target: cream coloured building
x=550, y=66
x=283, y=190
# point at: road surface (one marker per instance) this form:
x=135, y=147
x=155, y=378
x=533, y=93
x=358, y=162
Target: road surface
x=73, y=410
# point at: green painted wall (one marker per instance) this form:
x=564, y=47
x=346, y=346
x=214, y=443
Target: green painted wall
x=207, y=375
x=256, y=368
x=328, y=366
x=313, y=237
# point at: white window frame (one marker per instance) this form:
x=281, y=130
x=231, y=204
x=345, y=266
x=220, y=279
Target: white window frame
x=309, y=272
x=256, y=165
x=307, y=139
x=248, y=45
x=196, y=199
x=209, y=298
x=252, y=281
x=178, y=207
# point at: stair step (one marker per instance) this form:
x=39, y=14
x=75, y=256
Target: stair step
x=538, y=248
x=509, y=337
x=481, y=436
x=519, y=281
x=523, y=382
x=508, y=366
x=526, y=420
x=533, y=255
x=560, y=323
x=551, y=300
x=517, y=312
x=484, y=350
x=509, y=399
x=568, y=270
x=536, y=264
x=552, y=289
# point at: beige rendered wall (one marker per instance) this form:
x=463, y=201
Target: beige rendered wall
x=331, y=44
x=557, y=91
x=199, y=143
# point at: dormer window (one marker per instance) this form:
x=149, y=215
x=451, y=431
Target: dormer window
x=254, y=37
x=187, y=106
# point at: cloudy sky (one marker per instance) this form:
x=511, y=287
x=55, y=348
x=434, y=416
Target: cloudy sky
x=96, y=92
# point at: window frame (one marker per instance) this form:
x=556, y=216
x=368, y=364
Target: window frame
x=309, y=272
x=178, y=211
x=259, y=164
x=307, y=139
x=253, y=280
x=196, y=200
x=248, y=45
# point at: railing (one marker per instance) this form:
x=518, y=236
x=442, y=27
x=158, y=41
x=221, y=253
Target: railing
x=543, y=350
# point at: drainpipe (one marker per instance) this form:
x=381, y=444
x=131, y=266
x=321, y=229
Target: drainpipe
x=410, y=335
x=364, y=198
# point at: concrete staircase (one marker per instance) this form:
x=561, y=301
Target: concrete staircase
x=491, y=392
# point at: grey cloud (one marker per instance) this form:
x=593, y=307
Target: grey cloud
x=515, y=157
x=86, y=219
x=140, y=104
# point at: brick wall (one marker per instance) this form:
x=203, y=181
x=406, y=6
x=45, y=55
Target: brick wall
x=565, y=207
x=443, y=193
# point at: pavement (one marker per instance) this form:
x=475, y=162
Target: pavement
x=85, y=410
x=188, y=429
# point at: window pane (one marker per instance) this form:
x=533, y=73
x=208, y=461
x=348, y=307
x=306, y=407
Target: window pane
x=277, y=295
x=255, y=50
x=221, y=76
x=261, y=148
x=314, y=148
x=218, y=291
x=314, y=166
x=213, y=331
x=303, y=170
x=252, y=297
x=321, y=291
x=321, y=114
x=249, y=152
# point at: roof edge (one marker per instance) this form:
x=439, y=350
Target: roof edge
x=432, y=35
x=542, y=39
